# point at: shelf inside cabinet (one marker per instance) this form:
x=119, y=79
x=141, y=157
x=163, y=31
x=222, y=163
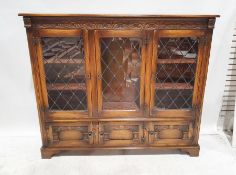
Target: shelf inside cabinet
x=173, y=86
x=67, y=86
x=63, y=61
x=177, y=61
x=120, y=106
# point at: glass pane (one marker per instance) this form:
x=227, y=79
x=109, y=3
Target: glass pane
x=176, y=64
x=121, y=64
x=64, y=65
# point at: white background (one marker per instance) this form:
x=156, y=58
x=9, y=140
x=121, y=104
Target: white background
x=18, y=113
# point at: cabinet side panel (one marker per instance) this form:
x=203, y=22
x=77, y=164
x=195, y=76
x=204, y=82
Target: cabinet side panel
x=201, y=82
x=37, y=84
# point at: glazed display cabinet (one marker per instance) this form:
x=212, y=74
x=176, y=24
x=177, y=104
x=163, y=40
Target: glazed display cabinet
x=119, y=82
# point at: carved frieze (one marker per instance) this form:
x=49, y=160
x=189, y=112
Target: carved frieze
x=122, y=24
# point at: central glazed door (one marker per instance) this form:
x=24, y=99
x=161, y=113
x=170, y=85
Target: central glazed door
x=120, y=72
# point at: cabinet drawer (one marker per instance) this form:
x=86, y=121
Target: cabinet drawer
x=169, y=133
x=120, y=133
x=76, y=134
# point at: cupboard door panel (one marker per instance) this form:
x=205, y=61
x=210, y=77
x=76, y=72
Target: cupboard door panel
x=169, y=133
x=120, y=72
x=63, y=57
x=175, y=60
x=120, y=133
x=79, y=134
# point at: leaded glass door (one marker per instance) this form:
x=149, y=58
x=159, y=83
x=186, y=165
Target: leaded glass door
x=64, y=70
x=176, y=56
x=120, y=72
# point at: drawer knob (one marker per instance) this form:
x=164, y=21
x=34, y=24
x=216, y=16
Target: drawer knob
x=99, y=76
x=151, y=132
x=90, y=133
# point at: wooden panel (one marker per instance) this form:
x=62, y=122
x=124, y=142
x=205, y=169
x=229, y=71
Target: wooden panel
x=120, y=133
x=174, y=113
x=58, y=33
x=72, y=134
x=37, y=85
x=169, y=133
x=181, y=33
x=200, y=80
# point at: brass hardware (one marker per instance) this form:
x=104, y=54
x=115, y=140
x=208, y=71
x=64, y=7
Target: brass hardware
x=151, y=132
x=90, y=133
x=99, y=76
x=88, y=76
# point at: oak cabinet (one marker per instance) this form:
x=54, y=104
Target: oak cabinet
x=122, y=82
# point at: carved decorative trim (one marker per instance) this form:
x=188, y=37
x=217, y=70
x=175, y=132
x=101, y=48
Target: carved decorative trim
x=123, y=25
x=27, y=22
x=211, y=23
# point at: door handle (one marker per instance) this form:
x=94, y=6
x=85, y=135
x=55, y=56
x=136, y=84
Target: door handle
x=99, y=76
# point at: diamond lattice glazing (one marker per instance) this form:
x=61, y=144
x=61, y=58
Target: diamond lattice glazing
x=176, y=64
x=121, y=63
x=64, y=65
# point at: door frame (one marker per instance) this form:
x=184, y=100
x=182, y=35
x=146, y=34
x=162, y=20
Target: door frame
x=175, y=33
x=52, y=115
x=119, y=33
